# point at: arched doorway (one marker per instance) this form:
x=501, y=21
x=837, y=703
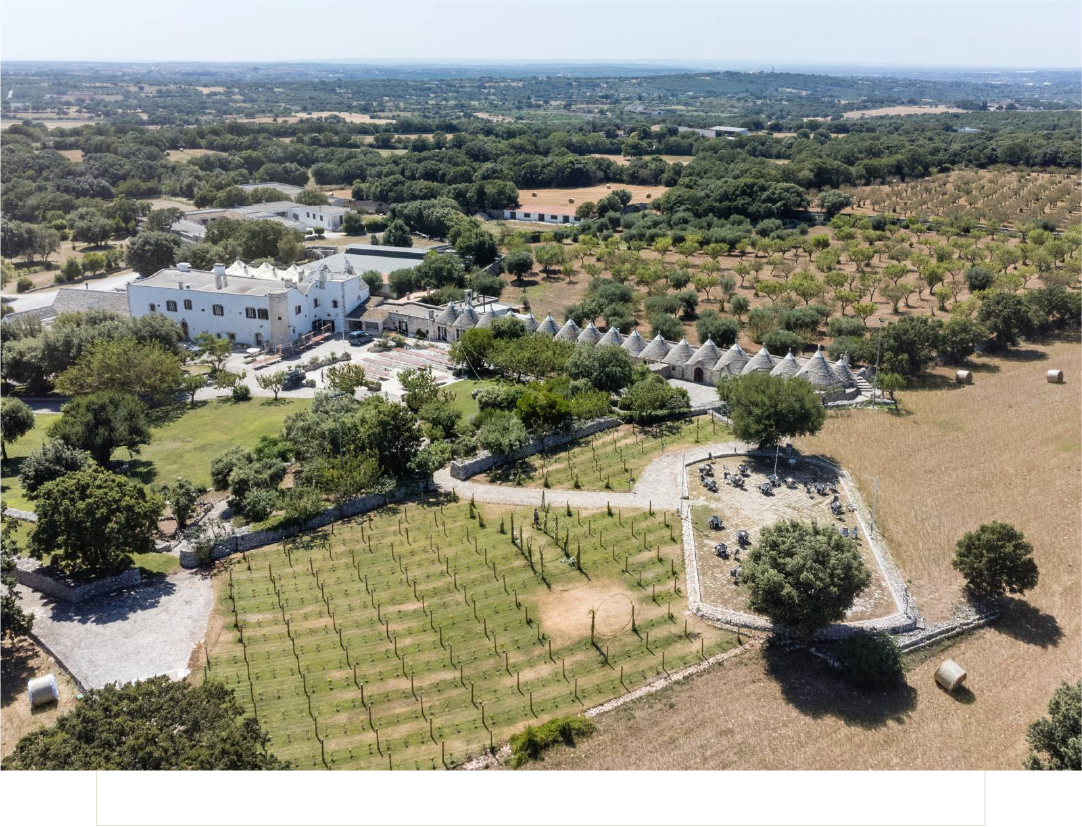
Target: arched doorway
x=697, y=376
x=184, y=329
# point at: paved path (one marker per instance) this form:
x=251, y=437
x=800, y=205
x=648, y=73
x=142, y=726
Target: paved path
x=126, y=636
x=659, y=484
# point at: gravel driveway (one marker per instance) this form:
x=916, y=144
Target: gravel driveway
x=128, y=635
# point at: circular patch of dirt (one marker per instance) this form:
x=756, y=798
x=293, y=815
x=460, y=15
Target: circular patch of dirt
x=613, y=616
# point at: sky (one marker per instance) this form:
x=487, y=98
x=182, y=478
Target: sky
x=981, y=33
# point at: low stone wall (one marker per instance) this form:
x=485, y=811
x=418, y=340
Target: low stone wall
x=19, y=514
x=464, y=469
x=34, y=575
x=244, y=539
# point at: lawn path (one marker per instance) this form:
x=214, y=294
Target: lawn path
x=659, y=484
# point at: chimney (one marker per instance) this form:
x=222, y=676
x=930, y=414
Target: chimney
x=184, y=266
x=468, y=294
x=219, y=270
x=218, y=281
x=180, y=284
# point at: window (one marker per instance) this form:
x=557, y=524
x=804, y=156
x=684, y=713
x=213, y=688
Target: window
x=218, y=310
x=153, y=307
x=315, y=302
x=187, y=304
x=249, y=312
x=297, y=310
x=263, y=313
x=334, y=302
x=171, y=306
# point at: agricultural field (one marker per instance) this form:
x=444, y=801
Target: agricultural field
x=610, y=460
x=566, y=195
x=1008, y=199
x=624, y=161
x=419, y=635
x=187, y=154
x=23, y=659
x=939, y=477
x=926, y=109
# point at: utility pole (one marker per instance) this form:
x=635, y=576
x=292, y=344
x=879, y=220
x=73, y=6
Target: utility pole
x=878, y=344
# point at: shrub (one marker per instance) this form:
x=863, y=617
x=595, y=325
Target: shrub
x=839, y=326
x=241, y=393
x=871, y=661
x=996, y=559
x=779, y=342
x=49, y=462
x=223, y=464
x=1055, y=741
x=980, y=278
x=259, y=503
x=301, y=505
x=534, y=740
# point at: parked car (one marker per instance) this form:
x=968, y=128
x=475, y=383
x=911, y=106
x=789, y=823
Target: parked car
x=359, y=337
x=294, y=379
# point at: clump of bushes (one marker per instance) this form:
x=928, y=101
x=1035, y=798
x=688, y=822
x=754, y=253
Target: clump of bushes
x=534, y=740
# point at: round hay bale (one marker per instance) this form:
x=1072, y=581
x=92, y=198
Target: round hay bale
x=608, y=186
x=963, y=377
x=1055, y=377
x=647, y=196
x=535, y=195
x=950, y=675
x=42, y=691
x=570, y=200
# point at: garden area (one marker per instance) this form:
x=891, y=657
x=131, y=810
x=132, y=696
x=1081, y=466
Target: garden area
x=610, y=460
x=419, y=635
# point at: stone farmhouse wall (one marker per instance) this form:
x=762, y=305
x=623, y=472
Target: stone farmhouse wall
x=34, y=575
x=244, y=539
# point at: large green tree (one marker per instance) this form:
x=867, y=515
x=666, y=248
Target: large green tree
x=92, y=521
x=1056, y=741
x=767, y=409
x=606, y=367
x=16, y=420
x=156, y=724
x=125, y=366
x=996, y=559
x=150, y=252
x=803, y=575
x=99, y=423
x=14, y=620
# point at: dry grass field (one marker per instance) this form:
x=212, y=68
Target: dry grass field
x=187, y=154
x=561, y=195
x=902, y=110
x=1004, y=448
x=22, y=661
x=669, y=159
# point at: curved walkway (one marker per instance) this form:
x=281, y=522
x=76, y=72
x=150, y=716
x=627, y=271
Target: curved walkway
x=660, y=484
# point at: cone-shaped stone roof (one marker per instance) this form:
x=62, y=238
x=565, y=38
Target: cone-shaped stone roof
x=448, y=316
x=729, y=371
x=590, y=335
x=680, y=354
x=843, y=371
x=734, y=359
x=467, y=318
x=569, y=332
x=529, y=321
x=786, y=367
x=817, y=370
x=487, y=319
x=707, y=354
x=548, y=326
x=634, y=343
x=657, y=350
x=761, y=361
x=612, y=337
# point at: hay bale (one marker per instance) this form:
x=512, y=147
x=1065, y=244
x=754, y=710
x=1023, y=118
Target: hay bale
x=963, y=377
x=950, y=675
x=42, y=691
x=1055, y=377
x=570, y=200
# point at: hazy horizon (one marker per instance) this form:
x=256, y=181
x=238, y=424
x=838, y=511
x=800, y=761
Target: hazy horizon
x=737, y=35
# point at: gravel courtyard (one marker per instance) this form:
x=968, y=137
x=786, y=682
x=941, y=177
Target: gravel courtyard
x=129, y=635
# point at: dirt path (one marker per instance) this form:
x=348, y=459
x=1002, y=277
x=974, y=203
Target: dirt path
x=126, y=636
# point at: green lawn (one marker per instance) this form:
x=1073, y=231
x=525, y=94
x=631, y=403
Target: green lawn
x=462, y=390
x=408, y=636
x=610, y=460
x=183, y=445
x=186, y=445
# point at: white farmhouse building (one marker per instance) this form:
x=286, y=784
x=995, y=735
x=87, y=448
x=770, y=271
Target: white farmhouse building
x=261, y=307
x=297, y=216
x=545, y=213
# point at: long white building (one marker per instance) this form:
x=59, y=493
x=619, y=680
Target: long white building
x=262, y=307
